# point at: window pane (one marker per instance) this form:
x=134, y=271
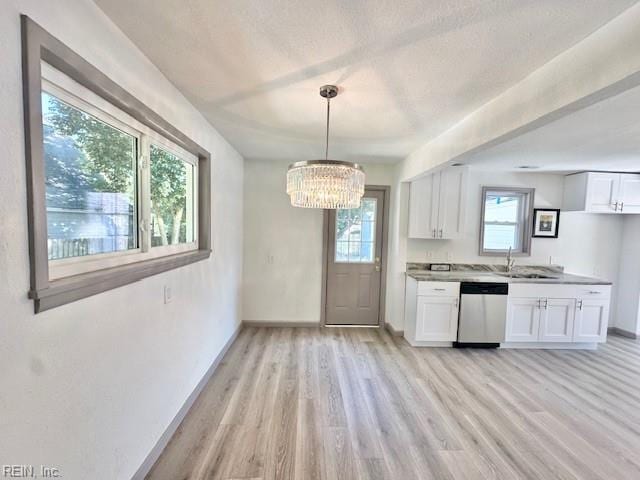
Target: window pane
x=91, y=182
x=502, y=208
x=366, y=252
x=171, y=199
x=369, y=209
x=355, y=233
x=342, y=251
x=501, y=237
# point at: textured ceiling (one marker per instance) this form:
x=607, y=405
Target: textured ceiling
x=604, y=136
x=408, y=69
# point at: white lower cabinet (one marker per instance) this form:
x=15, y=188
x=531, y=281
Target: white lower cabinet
x=542, y=313
x=591, y=321
x=557, y=319
x=437, y=319
x=431, y=312
x=523, y=320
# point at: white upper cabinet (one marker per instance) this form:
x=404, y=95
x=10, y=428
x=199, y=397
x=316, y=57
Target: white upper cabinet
x=437, y=204
x=629, y=194
x=602, y=192
x=423, y=207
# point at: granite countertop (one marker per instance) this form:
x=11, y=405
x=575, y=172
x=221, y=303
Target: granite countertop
x=493, y=274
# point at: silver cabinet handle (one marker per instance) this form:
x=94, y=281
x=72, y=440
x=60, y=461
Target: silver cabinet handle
x=546, y=303
x=456, y=303
x=434, y=233
x=539, y=300
x=579, y=304
x=440, y=233
x=439, y=289
x=621, y=206
x=615, y=206
x=593, y=292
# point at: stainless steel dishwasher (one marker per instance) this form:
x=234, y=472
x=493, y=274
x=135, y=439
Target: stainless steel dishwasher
x=483, y=314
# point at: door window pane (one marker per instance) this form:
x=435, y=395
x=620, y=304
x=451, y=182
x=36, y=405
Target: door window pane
x=172, y=212
x=355, y=233
x=91, y=182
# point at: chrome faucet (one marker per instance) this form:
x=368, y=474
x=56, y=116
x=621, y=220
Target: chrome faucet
x=510, y=261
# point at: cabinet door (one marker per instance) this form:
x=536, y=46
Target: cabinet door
x=451, y=205
x=629, y=193
x=602, y=192
x=592, y=320
x=423, y=207
x=556, y=319
x=523, y=320
x=437, y=319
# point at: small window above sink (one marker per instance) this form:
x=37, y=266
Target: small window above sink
x=506, y=221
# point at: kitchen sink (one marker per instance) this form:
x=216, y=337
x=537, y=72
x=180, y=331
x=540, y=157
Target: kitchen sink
x=526, y=275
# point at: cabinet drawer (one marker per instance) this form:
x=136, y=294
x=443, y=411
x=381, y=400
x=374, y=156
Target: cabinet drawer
x=546, y=290
x=593, y=291
x=445, y=289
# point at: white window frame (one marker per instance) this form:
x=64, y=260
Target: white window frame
x=523, y=225
x=69, y=91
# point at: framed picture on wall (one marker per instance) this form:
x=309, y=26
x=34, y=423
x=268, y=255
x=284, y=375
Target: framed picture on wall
x=546, y=222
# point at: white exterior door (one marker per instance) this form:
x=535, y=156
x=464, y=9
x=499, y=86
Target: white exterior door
x=451, y=205
x=629, y=196
x=602, y=192
x=556, y=319
x=423, y=207
x=592, y=319
x=437, y=319
x=523, y=320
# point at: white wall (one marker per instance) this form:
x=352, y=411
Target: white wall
x=588, y=244
x=283, y=246
x=89, y=387
x=628, y=308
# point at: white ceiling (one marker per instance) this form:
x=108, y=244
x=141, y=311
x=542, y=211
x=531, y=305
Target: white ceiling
x=408, y=69
x=604, y=136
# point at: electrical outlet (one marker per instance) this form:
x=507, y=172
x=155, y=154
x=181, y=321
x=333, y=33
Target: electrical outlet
x=167, y=294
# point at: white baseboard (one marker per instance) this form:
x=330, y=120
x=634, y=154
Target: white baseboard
x=622, y=333
x=259, y=323
x=393, y=331
x=161, y=444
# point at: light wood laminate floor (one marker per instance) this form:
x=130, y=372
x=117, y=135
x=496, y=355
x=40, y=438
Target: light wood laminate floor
x=311, y=403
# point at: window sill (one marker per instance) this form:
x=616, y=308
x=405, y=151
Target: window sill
x=70, y=289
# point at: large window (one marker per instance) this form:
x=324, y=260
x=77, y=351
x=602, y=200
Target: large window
x=115, y=192
x=91, y=182
x=506, y=218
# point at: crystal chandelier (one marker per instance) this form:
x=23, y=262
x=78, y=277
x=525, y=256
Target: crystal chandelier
x=325, y=183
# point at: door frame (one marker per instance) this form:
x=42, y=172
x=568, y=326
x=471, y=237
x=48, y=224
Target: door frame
x=386, y=189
